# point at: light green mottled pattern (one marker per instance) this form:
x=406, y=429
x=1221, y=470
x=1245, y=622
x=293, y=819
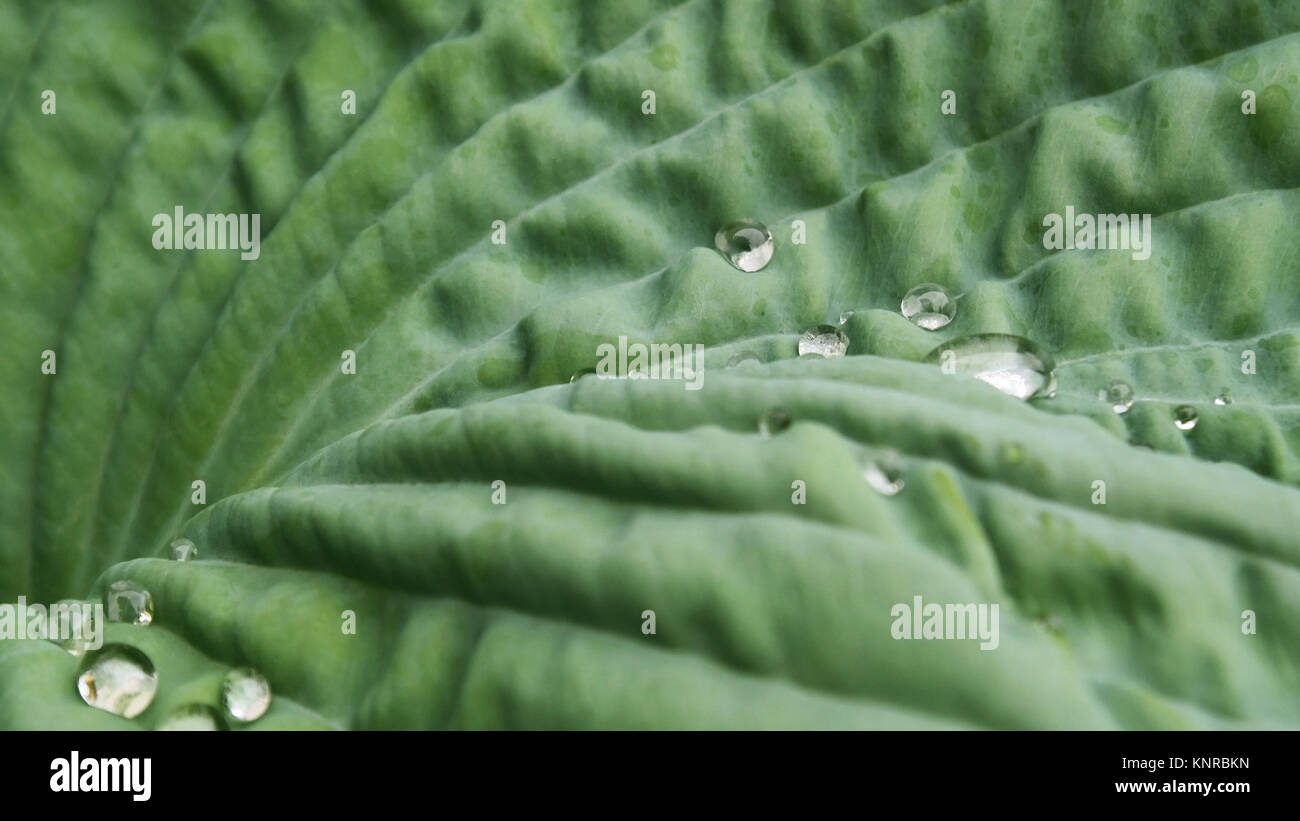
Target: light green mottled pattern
x=370, y=492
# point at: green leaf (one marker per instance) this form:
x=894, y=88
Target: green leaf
x=372, y=492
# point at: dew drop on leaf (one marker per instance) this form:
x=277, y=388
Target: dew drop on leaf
x=118, y=679
x=183, y=550
x=245, y=694
x=193, y=718
x=929, y=306
x=823, y=340
x=1014, y=365
x=883, y=472
x=1118, y=394
x=773, y=422
x=746, y=243
x=128, y=603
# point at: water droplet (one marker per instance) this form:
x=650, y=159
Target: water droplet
x=118, y=679
x=844, y=317
x=773, y=422
x=1051, y=623
x=193, y=718
x=929, y=306
x=1185, y=417
x=183, y=550
x=884, y=472
x=245, y=694
x=744, y=358
x=823, y=340
x=1118, y=394
x=746, y=243
x=126, y=601
x=581, y=374
x=70, y=625
x=1223, y=399
x=1012, y=364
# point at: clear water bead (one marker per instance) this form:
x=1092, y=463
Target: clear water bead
x=1118, y=394
x=1223, y=399
x=1012, y=364
x=129, y=603
x=823, y=340
x=245, y=694
x=773, y=422
x=746, y=243
x=929, y=306
x=883, y=472
x=193, y=718
x=1185, y=417
x=70, y=625
x=117, y=679
x=184, y=550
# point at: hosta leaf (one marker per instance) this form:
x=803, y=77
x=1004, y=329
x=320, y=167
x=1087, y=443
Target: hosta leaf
x=371, y=492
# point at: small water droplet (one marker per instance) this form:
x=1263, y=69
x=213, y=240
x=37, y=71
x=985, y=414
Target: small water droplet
x=1051, y=623
x=118, y=679
x=773, y=422
x=746, y=243
x=1014, y=365
x=1185, y=417
x=184, y=550
x=1223, y=399
x=929, y=306
x=193, y=718
x=1118, y=394
x=125, y=601
x=744, y=358
x=245, y=694
x=844, y=317
x=883, y=472
x=823, y=340
x=581, y=374
x=68, y=620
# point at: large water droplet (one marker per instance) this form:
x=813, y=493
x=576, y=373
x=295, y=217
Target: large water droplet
x=823, y=340
x=183, y=550
x=192, y=718
x=126, y=601
x=118, y=679
x=883, y=472
x=245, y=694
x=1012, y=364
x=746, y=243
x=773, y=422
x=1185, y=417
x=929, y=306
x=1118, y=394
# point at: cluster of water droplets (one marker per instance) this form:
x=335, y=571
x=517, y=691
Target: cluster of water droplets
x=1120, y=396
x=1015, y=365
x=121, y=679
